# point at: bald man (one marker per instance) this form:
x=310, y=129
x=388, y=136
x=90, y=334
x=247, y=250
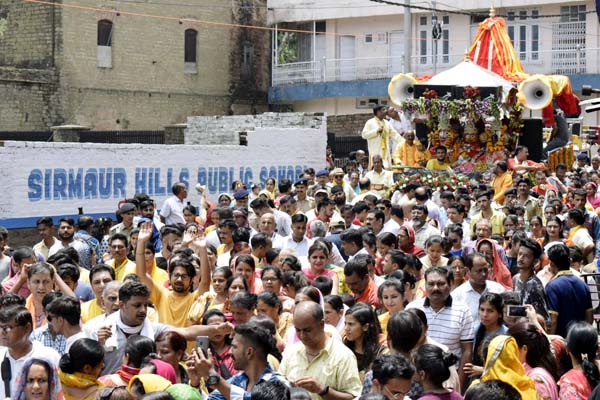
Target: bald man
x=268, y=226
x=303, y=363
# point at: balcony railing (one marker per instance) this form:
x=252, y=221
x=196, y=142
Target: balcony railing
x=564, y=59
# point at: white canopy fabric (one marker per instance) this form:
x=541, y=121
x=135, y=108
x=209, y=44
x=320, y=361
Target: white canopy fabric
x=468, y=73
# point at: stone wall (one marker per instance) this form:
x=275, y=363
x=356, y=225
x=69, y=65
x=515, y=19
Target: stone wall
x=29, y=99
x=146, y=88
x=29, y=37
x=27, y=34
x=249, y=59
x=347, y=125
x=227, y=130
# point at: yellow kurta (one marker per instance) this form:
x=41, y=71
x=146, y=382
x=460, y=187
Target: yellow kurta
x=127, y=267
x=406, y=154
x=500, y=184
x=89, y=310
x=172, y=307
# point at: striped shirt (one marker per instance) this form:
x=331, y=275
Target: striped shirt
x=452, y=325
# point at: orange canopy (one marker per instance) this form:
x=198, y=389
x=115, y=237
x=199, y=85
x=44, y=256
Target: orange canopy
x=492, y=49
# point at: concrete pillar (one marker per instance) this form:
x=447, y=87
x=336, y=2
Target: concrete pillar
x=174, y=134
x=67, y=133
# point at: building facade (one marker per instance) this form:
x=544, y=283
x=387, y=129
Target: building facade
x=130, y=65
x=342, y=60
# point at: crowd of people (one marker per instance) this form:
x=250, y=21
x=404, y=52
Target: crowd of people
x=340, y=285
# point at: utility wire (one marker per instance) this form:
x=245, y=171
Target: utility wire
x=473, y=14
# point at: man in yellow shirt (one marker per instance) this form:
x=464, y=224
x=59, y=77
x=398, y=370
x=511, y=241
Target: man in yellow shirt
x=317, y=363
x=495, y=218
x=117, y=245
x=100, y=275
x=439, y=162
x=173, y=304
x=501, y=182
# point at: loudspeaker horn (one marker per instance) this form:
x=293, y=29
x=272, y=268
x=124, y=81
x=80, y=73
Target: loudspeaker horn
x=536, y=92
x=401, y=87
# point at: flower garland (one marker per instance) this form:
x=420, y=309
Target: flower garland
x=434, y=139
x=456, y=108
x=433, y=179
x=490, y=145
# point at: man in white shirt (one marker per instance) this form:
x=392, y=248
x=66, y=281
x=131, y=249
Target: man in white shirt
x=298, y=241
x=172, y=210
x=389, y=225
x=64, y=314
x=16, y=325
x=109, y=303
x=283, y=222
x=46, y=232
x=380, y=178
x=268, y=226
x=450, y=321
x=477, y=285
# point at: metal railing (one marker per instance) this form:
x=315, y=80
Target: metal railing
x=27, y=136
x=567, y=57
x=145, y=137
x=568, y=41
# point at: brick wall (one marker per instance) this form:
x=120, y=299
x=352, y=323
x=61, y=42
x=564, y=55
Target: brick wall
x=27, y=39
x=137, y=110
x=347, y=125
x=226, y=130
x=146, y=88
x=28, y=80
x=249, y=86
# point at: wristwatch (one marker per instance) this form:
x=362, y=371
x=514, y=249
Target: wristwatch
x=324, y=391
x=213, y=380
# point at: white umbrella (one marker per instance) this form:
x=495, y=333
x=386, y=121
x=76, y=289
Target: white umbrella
x=468, y=73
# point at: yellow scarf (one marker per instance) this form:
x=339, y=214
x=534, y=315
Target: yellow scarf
x=502, y=363
x=151, y=382
x=409, y=158
x=77, y=380
x=384, y=134
x=573, y=231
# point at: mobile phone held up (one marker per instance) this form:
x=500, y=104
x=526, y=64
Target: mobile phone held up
x=202, y=342
x=517, y=311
